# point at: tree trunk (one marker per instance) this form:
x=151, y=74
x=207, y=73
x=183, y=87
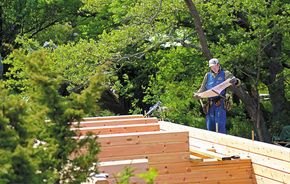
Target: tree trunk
x=198, y=27
x=275, y=81
x=251, y=106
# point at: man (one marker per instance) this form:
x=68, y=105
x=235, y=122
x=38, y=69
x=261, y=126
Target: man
x=217, y=113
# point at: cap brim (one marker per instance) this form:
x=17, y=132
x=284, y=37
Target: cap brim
x=212, y=65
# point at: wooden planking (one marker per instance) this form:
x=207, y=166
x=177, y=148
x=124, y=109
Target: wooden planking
x=216, y=139
x=119, y=129
x=113, y=117
x=141, y=149
x=209, y=153
x=237, y=181
x=274, y=165
x=142, y=138
x=115, y=167
x=260, y=148
x=224, y=163
x=115, y=122
x=258, y=159
x=169, y=168
x=200, y=155
x=181, y=157
x=194, y=158
x=209, y=176
x=263, y=180
x=270, y=173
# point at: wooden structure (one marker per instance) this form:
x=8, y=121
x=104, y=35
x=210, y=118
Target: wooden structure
x=183, y=154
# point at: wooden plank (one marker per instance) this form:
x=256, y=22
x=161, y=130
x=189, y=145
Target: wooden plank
x=115, y=122
x=263, y=180
x=209, y=153
x=113, y=117
x=272, y=174
x=115, y=167
x=199, y=155
x=142, y=138
x=141, y=149
x=238, y=181
x=118, y=129
x=224, y=162
x=173, y=168
x=180, y=157
x=195, y=159
x=210, y=176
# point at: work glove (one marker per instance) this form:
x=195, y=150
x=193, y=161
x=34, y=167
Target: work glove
x=233, y=81
x=196, y=97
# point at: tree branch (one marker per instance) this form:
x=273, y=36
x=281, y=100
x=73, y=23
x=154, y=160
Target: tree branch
x=35, y=32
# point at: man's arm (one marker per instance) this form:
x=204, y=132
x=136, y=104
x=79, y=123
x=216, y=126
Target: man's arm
x=202, y=87
x=229, y=75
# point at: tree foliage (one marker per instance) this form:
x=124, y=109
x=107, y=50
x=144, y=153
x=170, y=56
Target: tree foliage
x=59, y=158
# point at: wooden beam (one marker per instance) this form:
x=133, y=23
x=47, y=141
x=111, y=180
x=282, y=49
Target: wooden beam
x=118, y=129
x=115, y=167
x=195, y=159
x=154, y=159
x=141, y=149
x=142, y=138
x=270, y=173
x=115, y=122
x=263, y=180
x=169, y=168
x=211, y=176
x=209, y=153
x=113, y=117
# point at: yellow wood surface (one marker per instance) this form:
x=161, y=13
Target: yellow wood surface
x=270, y=173
x=263, y=180
x=209, y=153
x=194, y=158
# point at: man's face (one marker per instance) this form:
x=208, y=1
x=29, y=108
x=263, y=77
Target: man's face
x=215, y=68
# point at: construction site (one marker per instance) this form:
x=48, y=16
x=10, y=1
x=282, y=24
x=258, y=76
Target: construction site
x=182, y=154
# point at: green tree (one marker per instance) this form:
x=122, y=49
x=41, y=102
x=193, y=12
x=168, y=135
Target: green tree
x=60, y=158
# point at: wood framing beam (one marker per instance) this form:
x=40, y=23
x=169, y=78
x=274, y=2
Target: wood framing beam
x=115, y=122
x=115, y=167
x=143, y=138
x=118, y=129
x=209, y=153
x=113, y=117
